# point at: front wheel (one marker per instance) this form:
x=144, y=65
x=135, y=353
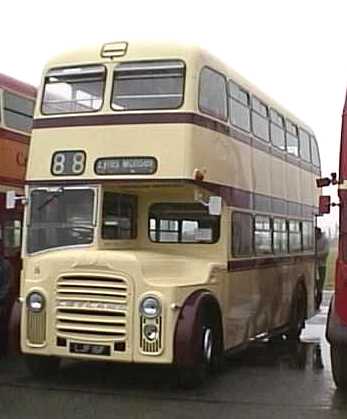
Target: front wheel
x=42, y=366
x=338, y=354
x=209, y=354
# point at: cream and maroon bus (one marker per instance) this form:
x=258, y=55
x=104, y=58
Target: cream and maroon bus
x=16, y=113
x=170, y=212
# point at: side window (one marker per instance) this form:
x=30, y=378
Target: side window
x=213, y=94
x=260, y=122
x=307, y=235
x=292, y=138
x=262, y=235
x=294, y=236
x=239, y=107
x=305, y=152
x=119, y=217
x=277, y=130
x=315, y=152
x=242, y=234
x=12, y=237
x=280, y=236
x=18, y=112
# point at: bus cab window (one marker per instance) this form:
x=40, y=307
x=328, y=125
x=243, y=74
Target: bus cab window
x=119, y=216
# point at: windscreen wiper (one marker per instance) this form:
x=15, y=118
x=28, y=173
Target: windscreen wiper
x=51, y=198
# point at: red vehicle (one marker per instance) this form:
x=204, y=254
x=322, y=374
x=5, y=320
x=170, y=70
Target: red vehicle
x=17, y=101
x=337, y=318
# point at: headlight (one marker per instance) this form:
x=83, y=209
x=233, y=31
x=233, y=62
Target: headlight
x=150, y=307
x=151, y=332
x=35, y=302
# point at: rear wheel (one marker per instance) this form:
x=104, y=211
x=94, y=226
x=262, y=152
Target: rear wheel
x=298, y=313
x=209, y=353
x=42, y=366
x=338, y=355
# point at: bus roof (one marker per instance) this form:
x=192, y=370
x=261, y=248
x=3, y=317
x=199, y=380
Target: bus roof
x=191, y=54
x=9, y=83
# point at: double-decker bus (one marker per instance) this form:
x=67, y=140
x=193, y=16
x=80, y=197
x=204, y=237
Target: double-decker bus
x=16, y=112
x=170, y=212
x=337, y=317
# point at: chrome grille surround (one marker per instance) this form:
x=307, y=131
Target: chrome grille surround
x=92, y=308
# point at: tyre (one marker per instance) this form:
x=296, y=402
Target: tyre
x=42, y=366
x=209, y=353
x=298, y=314
x=338, y=354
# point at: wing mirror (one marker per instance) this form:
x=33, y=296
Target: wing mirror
x=215, y=205
x=12, y=198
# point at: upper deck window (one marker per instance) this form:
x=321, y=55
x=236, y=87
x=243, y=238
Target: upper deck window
x=148, y=85
x=239, y=107
x=74, y=90
x=18, y=112
x=305, y=151
x=315, y=152
x=292, y=138
x=277, y=129
x=213, y=94
x=260, y=122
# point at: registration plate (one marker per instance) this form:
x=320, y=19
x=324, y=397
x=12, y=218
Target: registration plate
x=87, y=349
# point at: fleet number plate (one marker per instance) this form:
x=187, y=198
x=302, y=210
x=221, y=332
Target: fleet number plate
x=85, y=348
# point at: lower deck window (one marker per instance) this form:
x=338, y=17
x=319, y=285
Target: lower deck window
x=242, y=234
x=262, y=235
x=182, y=223
x=294, y=236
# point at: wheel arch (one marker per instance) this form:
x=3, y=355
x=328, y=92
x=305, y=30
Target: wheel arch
x=199, y=303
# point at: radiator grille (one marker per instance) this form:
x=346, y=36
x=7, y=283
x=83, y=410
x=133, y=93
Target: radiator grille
x=92, y=308
x=36, y=327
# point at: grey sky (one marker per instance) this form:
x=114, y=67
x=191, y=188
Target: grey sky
x=293, y=50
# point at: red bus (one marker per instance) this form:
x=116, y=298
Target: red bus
x=336, y=332
x=17, y=101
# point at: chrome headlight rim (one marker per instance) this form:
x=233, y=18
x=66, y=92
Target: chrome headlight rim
x=35, y=302
x=150, y=299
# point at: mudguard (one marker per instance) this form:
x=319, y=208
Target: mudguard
x=13, y=346
x=336, y=330
x=187, y=327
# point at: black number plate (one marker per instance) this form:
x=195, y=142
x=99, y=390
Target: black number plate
x=87, y=349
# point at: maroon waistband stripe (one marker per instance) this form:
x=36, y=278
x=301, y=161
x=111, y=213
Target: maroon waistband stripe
x=267, y=262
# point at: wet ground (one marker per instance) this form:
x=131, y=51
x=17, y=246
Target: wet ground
x=265, y=381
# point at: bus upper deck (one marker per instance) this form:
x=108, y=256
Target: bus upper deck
x=158, y=113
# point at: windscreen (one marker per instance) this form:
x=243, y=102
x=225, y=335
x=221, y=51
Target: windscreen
x=74, y=90
x=62, y=217
x=148, y=85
